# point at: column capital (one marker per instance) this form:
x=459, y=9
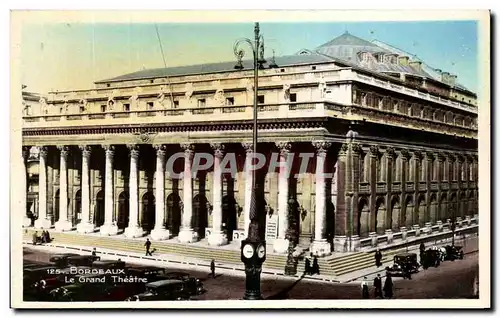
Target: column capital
x=248, y=147
x=161, y=149
x=108, y=148
x=218, y=149
x=343, y=149
x=134, y=150
x=391, y=152
x=417, y=155
x=321, y=146
x=405, y=154
x=451, y=156
x=86, y=150
x=284, y=147
x=441, y=156
x=188, y=149
x=43, y=151
x=374, y=151
x=356, y=148
x=429, y=155
x=460, y=158
x=64, y=150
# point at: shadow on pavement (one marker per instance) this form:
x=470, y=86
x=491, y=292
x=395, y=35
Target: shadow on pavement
x=283, y=294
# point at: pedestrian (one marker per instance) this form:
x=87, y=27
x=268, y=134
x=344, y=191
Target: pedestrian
x=388, y=287
x=407, y=271
x=94, y=252
x=315, y=266
x=35, y=238
x=377, y=283
x=378, y=258
x=364, y=288
x=42, y=237
x=308, y=270
x=212, y=268
x=148, y=246
x=47, y=237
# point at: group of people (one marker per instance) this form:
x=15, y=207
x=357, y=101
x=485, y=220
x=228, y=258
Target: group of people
x=44, y=238
x=314, y=269
x=377, y=283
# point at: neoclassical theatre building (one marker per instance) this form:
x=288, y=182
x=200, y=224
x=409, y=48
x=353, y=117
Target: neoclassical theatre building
x=398, y=137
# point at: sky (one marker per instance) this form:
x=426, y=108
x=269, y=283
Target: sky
x=68, y=56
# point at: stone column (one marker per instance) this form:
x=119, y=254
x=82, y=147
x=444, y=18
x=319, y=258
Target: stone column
x=217, y=237
x=42, y=221
x=187, y=234
x=281, y=244
x=63, y=224
x=320, y=246
x=85, y=225
x=23, y=205
x=248, y=184
x=133, y=229
x=109, y=227
x=160, y=232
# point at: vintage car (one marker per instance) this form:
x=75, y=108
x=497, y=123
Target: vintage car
x=82, y=260
x=453, y=252
x=167, y=289
x=61, y=260
x=404, y=265
x=33, y=275
x=194, y=284
x=108, y=264
x=146, y=272
x=430, y=258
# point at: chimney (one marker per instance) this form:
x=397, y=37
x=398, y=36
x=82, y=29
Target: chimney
x=452, y=79
x=416, y=65
x=403, y=60
x=445, y=77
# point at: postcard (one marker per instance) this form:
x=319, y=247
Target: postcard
x=250, y=159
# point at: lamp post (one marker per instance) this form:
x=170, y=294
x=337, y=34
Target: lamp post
x=253, y=248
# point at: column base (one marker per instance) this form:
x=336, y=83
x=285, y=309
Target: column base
x=343, y=243
x=108, y=229
x=135, y=231
x=160, y=234
x=217, y=238
x=321, y=248
x=26, y=222
x=43, y=224
x=187, y=236
x=64, y=226
x=280, y=245
x=85, y=227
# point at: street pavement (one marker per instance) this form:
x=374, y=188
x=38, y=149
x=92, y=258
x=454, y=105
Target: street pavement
x=450, y=280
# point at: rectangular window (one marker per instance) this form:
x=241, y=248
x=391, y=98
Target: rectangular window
x=260, y=99
x=150, y=105
x=202, y=102
x=176, y=104
x=293, y=97
x=126, y=107
x=229, y=101
x=103, y=108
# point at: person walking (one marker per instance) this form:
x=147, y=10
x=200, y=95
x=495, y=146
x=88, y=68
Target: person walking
x=308, y=270
x=35, y=238
x=364, y=288
x=47, y=237
x=212, y=268
x=377, y=283
x=148, y=246
x=94, y=252
x=315, y=265
x=378, y=258
x=388, y=285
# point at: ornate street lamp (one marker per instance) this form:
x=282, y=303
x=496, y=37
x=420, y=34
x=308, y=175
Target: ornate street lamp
x=253, y=248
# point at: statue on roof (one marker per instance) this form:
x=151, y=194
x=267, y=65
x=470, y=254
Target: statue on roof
x=189, y=90
x=43, y=105
x=322, y=86
x=219, y=97
x=286, y=91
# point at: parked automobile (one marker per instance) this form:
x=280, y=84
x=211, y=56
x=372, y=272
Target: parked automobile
x=404, y=265
x=82, y=260
x=61, y=260
x=168, y=289
x=453, y=252
x=108, y=264
x=430, y=258
x=194, y=284
x=148, y=272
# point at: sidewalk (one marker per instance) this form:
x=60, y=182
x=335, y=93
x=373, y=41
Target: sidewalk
x=370, y=273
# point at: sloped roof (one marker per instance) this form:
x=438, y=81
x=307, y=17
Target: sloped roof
x=208, y=68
